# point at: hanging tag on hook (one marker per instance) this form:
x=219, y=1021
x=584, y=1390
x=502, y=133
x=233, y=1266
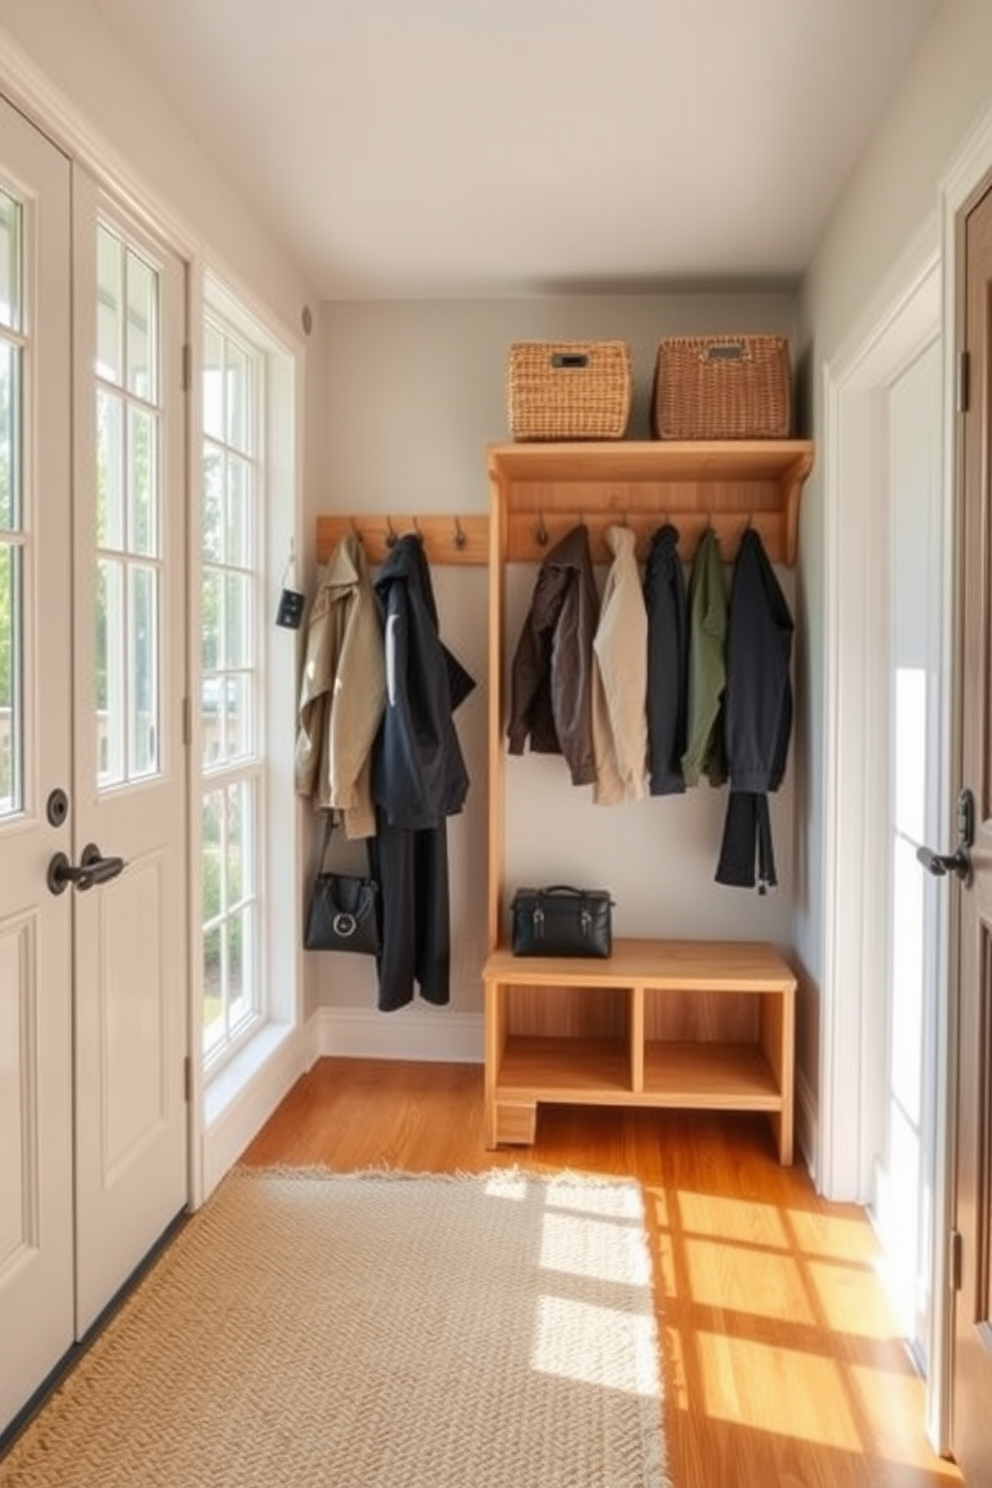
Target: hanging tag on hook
x=290, y=611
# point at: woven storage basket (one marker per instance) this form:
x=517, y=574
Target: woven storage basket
x=569, y=389
x=722, y=387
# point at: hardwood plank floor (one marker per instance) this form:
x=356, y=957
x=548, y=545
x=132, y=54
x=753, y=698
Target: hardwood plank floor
x=781, y=1362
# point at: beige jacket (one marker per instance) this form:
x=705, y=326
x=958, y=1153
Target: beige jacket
x=342, y=692
x=620, y=679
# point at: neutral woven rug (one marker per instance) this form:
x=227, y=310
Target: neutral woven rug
x=308, y=1329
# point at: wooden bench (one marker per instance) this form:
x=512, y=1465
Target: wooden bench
x=611, y=1033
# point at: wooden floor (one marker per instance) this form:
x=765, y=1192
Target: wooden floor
x=780, y=1361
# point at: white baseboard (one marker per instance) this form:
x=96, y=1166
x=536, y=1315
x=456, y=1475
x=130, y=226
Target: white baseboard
x=806, y=1122
x=244, y=1095
x=429, y=1034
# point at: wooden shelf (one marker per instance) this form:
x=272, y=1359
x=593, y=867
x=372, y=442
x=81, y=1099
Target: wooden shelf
x=586, y=1071
x=615, y=1031
x=713, y=1077
x=545, y=489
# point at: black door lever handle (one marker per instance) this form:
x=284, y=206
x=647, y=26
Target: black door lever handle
x=93, y=869
x=940, y=864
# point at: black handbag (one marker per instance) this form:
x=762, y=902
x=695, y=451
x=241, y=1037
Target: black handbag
x=343, y=913
x=561, y=921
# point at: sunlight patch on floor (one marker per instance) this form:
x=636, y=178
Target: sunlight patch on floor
x=761, y=1283
x=577, y=1245
x=731, y=1219
x=894, y=1407
x=782, y=1390
x=851, y=1300
x=596, y=1346
x=832, y=1235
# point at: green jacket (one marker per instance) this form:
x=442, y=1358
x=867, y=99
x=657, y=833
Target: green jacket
x=705, y=753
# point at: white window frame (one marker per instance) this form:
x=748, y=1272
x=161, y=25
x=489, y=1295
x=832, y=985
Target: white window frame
x=222, y=1083
x=246, y=769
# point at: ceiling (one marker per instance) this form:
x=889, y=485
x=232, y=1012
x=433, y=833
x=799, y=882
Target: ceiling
x=408, y=148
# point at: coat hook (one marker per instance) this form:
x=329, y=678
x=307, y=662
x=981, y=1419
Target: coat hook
x=392, y=535
x=416, y=530
x=542, y=531
x=459, y=534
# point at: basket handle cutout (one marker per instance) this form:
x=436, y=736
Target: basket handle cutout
x=726, y=351
x=570, y=359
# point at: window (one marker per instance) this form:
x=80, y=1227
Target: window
x=231, y=692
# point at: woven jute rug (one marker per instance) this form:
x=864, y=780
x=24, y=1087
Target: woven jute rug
x=309, y=1329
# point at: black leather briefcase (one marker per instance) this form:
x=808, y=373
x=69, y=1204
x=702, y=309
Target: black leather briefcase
x=561, y=921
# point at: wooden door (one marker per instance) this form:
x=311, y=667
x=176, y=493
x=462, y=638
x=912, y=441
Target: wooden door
x=36, y=1278
x=972, y=1385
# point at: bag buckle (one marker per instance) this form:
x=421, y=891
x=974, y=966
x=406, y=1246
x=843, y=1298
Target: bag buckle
x=585, y=920
x=345, y=924
x=538, y=918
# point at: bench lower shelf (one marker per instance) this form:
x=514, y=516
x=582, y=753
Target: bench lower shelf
x=628, y=1066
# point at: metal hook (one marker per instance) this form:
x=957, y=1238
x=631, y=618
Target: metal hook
x=542, y=532
x=392, y=536
x=460, y=538
x=416, y=531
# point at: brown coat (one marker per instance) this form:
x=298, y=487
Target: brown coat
x=551, y=679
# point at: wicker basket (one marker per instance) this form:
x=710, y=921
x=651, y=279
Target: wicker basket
x=569, y=389
x=722, y=387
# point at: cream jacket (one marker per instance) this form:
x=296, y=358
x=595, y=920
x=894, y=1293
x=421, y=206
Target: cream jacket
x=620, y=679
x=342, y=692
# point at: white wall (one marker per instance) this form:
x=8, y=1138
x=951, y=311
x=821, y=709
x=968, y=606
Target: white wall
x=71, y=44
x=887, y=205
x=415, y=391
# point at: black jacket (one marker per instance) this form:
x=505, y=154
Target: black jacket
x=668, y=655
x=419, y=775
x=551, y=679
x=757, y=714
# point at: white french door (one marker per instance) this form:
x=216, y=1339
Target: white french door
x=36, y=1164
x=130, y=758
x=93, y=924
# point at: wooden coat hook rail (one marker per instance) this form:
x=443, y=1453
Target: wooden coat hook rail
x=446, y=539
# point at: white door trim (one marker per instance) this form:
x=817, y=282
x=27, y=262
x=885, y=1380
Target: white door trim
x=903, y=318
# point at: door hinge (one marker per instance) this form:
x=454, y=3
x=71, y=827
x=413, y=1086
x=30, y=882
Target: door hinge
x=187, y=367
x=187, y=722
x=964, y=381
x=187, y=1079
x=956, y=1260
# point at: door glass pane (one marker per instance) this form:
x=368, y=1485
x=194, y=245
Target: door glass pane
x=142, y=473
x=10, y=436
x=142, y=327
x=109, y=299
x=110, y=671
x=11, y=289
x=11, y=715
x=128, y=517
x=109, y=472
x=143, y=678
